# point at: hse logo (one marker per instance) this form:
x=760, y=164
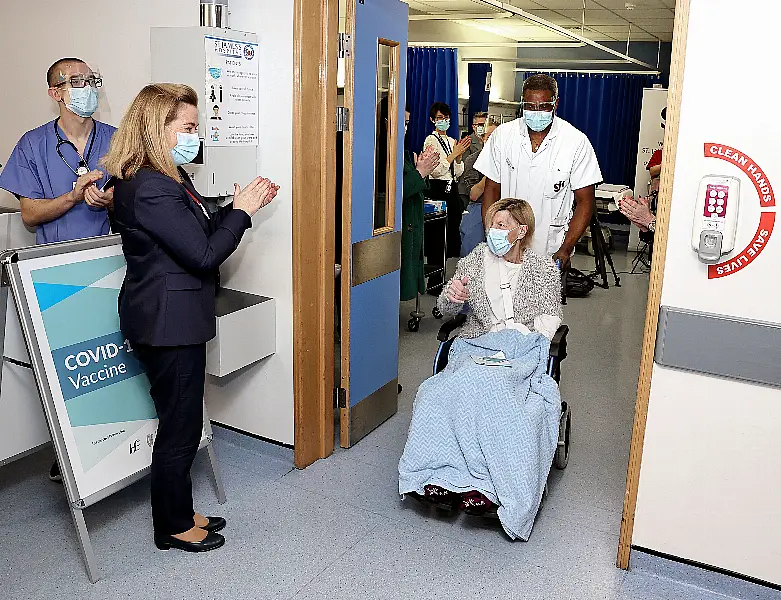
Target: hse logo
x=94, y=364
x=249, y=52
x=767, y=205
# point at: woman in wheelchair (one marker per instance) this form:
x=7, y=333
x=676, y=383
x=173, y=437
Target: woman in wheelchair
x=484, y=430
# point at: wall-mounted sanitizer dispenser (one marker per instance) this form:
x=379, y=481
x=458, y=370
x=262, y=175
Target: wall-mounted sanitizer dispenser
x=716, y=217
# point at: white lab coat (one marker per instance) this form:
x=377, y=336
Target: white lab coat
x=547, y=179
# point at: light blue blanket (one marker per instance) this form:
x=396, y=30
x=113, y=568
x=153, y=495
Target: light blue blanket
x=488, y=428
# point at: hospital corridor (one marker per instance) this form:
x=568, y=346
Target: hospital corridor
x=338, y=529
x=389, y=300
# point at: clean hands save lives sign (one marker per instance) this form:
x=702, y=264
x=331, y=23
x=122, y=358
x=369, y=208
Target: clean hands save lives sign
x=104, y=389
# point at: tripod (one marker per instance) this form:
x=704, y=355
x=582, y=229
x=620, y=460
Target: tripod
x=643, y=259
x=601, y=255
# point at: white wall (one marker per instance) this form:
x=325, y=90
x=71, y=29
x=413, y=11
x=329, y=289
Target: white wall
x=260, y=399
x=114, y=37
x=710, y=489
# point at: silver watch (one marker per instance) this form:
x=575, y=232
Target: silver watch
x=652, y=225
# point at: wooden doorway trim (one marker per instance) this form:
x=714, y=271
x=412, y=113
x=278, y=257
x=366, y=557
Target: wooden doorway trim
x=315, y=40
x=674, y=96
x=347, y=234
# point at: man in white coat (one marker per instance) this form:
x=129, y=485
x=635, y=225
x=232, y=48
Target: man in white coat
x=544, y=160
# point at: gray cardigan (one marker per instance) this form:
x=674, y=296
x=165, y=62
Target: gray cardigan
x=538, y=292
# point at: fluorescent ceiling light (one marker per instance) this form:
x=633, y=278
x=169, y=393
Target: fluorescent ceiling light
x=546, y=61
x=606, y=72
x=497, y=44
x=458, y=16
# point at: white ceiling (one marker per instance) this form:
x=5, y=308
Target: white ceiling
x=605, y=20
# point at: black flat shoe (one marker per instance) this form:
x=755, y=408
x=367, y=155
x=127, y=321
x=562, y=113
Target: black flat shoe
x=215, y=524
x=212, y=541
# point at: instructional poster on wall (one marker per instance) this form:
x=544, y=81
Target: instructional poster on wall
x=231, y=92
x=99, y=390
x=653, y=117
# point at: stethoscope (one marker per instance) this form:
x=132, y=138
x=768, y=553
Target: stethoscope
x=83, y=168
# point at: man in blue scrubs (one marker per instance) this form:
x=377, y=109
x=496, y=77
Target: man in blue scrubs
x=54, y=170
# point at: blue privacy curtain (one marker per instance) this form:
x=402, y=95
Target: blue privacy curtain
x=432, y=76
x=478, y=94
x=606, y=107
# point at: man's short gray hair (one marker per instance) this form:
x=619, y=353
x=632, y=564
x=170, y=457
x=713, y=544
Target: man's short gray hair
x=480, y=115
x=541, y=82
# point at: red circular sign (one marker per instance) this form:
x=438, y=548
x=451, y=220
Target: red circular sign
x=767, y=200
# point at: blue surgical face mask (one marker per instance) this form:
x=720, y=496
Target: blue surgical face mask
x=186, y=149
x=498, y=242
x=537, y=120
x=443, y=125
x=84, y=101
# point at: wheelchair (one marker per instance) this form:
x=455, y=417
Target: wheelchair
x=558, y=353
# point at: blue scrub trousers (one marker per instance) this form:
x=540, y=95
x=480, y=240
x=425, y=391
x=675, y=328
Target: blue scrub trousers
x=472, y=232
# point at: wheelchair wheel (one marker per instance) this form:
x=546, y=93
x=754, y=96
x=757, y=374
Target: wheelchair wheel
x=561, y=457
x=435, y=313
x=413, y=325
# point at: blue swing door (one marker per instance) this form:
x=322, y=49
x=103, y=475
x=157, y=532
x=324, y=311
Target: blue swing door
x=375, y=68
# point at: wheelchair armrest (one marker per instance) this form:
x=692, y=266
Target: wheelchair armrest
x=558, y=345
x=450, y=326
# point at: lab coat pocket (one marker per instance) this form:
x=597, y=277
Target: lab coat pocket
x=556, y=234
x=557, y=192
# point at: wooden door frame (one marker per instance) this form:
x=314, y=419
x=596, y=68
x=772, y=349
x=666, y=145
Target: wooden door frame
x=674, y=95
x=315, y=46
x=347, y=234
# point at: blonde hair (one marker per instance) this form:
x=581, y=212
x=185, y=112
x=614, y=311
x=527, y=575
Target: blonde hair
x=520, y=210
x=140, y=140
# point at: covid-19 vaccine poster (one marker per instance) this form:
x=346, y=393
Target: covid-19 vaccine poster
x=99, y=391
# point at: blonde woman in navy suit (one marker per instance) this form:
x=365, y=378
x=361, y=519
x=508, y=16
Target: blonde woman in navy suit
x=173, y=247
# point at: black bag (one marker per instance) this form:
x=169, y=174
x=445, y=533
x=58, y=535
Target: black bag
x=578, y=284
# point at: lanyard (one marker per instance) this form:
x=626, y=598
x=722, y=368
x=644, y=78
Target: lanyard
x=198, y=202
x=448, y=151
x=83, y=168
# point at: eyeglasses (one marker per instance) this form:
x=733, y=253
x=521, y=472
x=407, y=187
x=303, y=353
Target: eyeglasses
x=80, y=81
x=542, y=106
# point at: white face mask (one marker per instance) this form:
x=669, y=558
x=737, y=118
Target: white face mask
x=480, y=130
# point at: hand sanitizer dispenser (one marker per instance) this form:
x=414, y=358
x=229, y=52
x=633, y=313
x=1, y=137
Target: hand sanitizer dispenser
x=716, y=217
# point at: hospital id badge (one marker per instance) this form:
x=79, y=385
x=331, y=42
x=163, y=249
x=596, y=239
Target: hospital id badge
x=491, y=361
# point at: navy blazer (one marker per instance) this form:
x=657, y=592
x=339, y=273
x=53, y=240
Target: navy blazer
x=173, y=252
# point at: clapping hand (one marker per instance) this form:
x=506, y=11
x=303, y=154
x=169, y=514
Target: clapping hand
x=83, y=183
x=637, y=210
x=254, y=196
x=457, y=291
x=97, y=198
x=462, y=147
x=427, y=162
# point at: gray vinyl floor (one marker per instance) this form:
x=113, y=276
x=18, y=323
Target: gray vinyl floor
x=338, y=529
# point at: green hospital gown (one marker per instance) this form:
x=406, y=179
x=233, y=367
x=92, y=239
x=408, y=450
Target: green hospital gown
x=412, y=280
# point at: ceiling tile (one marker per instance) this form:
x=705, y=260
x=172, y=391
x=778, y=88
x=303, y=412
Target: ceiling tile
x=595, y=17
x=639, y=4
x=555, y=17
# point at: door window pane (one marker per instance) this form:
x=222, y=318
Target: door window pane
x=387, y=135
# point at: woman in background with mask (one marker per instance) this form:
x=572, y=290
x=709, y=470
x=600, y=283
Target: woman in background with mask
x=480, y=414
x=443, y=182
x=173, y=247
